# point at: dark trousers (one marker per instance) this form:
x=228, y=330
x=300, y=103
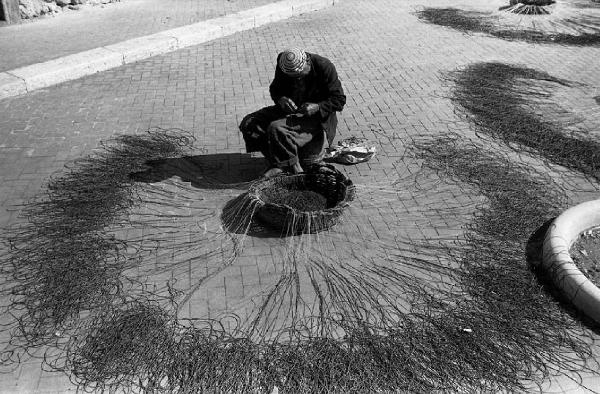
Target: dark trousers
x=284, y=139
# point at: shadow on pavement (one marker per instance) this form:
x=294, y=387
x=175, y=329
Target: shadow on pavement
x=216, y=171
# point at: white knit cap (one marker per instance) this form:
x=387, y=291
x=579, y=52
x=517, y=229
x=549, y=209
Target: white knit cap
x=293, y=61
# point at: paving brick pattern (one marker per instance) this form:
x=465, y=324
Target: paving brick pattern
x=95, y=26
x=390, y=65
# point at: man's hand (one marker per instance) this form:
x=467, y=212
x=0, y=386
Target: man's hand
x=258, y=133
x=288, y=105
x=309, y=109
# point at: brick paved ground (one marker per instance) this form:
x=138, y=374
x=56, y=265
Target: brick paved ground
x=95, y=26
x=390, y=65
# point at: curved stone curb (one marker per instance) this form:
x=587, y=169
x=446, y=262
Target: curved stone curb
x=40, y=75
x=557, y=261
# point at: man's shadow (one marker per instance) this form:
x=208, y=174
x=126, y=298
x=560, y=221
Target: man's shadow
x=216, y=171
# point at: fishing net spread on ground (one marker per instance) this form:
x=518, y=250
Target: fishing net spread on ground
x=61, y=262
x=563, y=22
x=526, y=109
x=139, y=268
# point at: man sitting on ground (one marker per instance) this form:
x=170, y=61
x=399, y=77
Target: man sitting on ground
x=293, y=132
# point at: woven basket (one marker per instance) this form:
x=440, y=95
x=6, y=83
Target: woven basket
x=333, y=185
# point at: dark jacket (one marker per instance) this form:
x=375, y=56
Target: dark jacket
x=320, y=86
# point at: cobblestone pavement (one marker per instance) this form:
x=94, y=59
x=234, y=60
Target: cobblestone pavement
x=390, y=65
x=95, y=26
